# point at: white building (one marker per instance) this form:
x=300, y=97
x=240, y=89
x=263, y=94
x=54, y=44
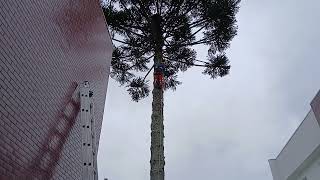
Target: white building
x=300, y=157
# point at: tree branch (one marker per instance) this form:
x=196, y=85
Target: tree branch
x=187, y=37
x=190, y=9
x=192, y=25
x=192, y=64
x=142, y=7
x=150, y=57
x=185, y=13
x=121, y=41
x=202, y=41
x=125, y=29
x=161, y=2
x=197, y=23
x=137, y=64
x=148, y=73
x=202, y=61
x=175, y=28
x=134, y=19
x=196, y=31
x=157, y=5
x=174, y=10
x=166, y=41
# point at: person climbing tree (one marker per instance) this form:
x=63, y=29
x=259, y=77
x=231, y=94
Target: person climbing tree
x=166, y=30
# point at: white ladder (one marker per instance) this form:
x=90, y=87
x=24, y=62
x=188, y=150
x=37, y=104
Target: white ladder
x=89, y=155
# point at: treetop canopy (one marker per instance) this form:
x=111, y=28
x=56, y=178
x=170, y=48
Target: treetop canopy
x=143, y=28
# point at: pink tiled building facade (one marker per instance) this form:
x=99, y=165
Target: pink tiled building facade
x=47, y=49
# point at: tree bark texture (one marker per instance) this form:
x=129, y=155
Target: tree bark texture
x=157, y=134
x=157, y=128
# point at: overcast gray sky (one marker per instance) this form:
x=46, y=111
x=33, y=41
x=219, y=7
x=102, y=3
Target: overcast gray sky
x=226, y=128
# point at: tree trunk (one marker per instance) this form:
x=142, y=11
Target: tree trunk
x=157, y=127
x=157, y=135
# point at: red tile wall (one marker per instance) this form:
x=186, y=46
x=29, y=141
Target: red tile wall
x=46, y=47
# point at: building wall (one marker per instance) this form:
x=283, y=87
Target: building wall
x=300, y=156
x=46, y=48
x=315, y=104
x=303, y=142
x=312, y=171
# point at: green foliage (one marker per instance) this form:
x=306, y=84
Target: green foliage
x=142, y=28
x=217, y=66
x=138, y=89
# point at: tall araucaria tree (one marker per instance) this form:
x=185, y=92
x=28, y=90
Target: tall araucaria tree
x=159, y=35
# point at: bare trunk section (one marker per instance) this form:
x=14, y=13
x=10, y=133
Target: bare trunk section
x=157, y=128
x=157, y=135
